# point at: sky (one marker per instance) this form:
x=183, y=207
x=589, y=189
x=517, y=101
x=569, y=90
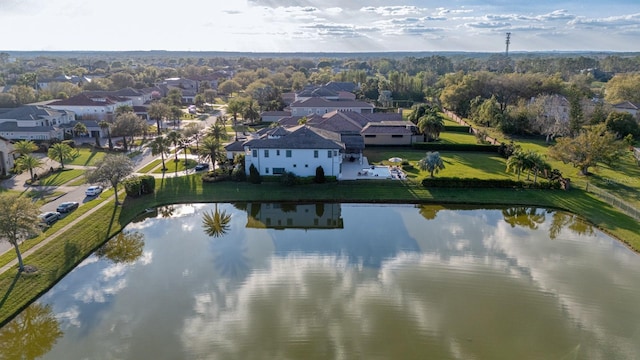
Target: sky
x=320, y=25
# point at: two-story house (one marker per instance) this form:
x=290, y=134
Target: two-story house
x=92, y=107
x=300, y=150
x=34, y=122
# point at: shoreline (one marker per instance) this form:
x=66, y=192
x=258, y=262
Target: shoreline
x=17, y=291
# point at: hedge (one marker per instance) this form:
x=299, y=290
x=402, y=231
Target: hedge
x=457, y=128
x=456, y=182
x=434, y=146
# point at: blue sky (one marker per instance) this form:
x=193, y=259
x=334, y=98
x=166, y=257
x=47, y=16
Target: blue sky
x=320, y=25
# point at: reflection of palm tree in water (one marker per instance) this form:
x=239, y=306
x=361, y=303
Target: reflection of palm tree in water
x=31, y=334
x=166, y=211
x=528, y=217
x=229, y=253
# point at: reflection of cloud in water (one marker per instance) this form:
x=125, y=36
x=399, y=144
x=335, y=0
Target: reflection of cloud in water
x=100, y=292
x=71, y=316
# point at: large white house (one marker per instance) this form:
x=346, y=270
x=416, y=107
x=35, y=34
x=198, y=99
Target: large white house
x=34, y=122
x=299, y=150
x=92, y=107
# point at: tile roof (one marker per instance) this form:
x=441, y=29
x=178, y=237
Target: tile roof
x=299, y=137
x=88, y=100
x=30, y=112
x=322, y=102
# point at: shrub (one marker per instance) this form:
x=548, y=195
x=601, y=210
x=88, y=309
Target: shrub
x=254, y=175
x=455, y=182
x=148, y=184
x=289, y=179
x=133, y=186
x=320, y=179
x=455, y=147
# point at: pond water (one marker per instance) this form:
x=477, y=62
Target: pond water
x=342, y=281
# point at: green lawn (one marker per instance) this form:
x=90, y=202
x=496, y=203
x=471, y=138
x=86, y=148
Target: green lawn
x=176, y=166
x=150, y=166
x=61, y=177
x=450, y=137
x=87, y=157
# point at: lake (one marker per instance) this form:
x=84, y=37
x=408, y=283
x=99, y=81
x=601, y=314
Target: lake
x=342, y=281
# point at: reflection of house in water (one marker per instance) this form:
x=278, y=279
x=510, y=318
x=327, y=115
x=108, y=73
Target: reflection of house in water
x=294, y=216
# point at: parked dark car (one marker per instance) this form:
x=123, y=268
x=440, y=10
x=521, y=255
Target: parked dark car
x=203, y=166
x=68, y=206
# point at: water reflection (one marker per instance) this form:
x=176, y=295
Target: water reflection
x=31, y=334
x=216, y=222
x=388, y=283
x=126, y=247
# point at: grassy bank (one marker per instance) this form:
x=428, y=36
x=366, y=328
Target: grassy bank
x=64, y=252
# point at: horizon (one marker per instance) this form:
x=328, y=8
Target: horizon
x=328, y=26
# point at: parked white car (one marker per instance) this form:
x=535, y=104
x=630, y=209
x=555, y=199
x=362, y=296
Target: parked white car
x=93, y=190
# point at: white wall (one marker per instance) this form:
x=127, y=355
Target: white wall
x=302, y=161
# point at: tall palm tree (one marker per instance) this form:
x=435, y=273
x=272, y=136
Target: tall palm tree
x=216, y=223
x=217, y=131
x=24, y=147
x=61, y=152
x=235, y=107
x=28, y=162
x=432, y=163
x=80, y=129
x=160, y=145
x=174, y=138
x=105, y=125
x=210, y=150
x=159, y=111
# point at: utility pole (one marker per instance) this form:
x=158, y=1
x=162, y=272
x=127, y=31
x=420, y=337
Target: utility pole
x=507, y=42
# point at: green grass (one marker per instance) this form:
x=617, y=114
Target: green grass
x=61, y=177
x=77, y=182
x=176, y=166
x=449, y=137
x=44, y=196
x=87, y=157
x=150, y=166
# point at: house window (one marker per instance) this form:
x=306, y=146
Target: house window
x=288, y=153
x=329, y=153
x=369, y=136
x=255, y=153
x=277, y=152
x=266, y=170
x=335, y=152
x=278, y=171
x=315, y=153
x=396, y=136
x=266, y=153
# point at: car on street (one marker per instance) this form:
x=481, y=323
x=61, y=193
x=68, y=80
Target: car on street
x=49, y=217
x=202, y=166
x=93, y=190
x=67, y=206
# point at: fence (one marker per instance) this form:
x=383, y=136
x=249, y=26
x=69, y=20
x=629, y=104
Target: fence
x=472, y=130
x=615, y=201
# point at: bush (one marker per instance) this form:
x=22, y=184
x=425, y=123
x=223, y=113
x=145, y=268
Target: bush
x=148, y=184
x=456, y=128
x=289, y=179
x=455, y=147
x=320, y=179
x=455, y=182
x=133, y=186
x=254, y=175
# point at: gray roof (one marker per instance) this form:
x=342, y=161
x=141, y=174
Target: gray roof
x=13, y=126
x=387, y=128
x=322, y=102
x=299, y=137
x=30, y=112
x=235, y=146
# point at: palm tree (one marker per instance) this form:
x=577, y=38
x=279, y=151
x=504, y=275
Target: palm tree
x=160, y=145
x=235, y=107
x=24, y=147
x=210, y=150
x=61, y=152
x=517, y=162
x=432, y=163
x=28, y=162
x=217, y=131
x=80, y=129
x=216, y=223
x=431, y=125
x=105, y=125
x=538, y=164
x=174, y=138
x=159, y=111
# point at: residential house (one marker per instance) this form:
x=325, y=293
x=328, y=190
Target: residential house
x=34, y=122
x=273, y=116
x=555, y=107
x=92, y=107
x=6, y=156
x=300, y=149
x=188, y=87
x=73, y=79
x=319, y=105
x=628, y=107
x=137, y=97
